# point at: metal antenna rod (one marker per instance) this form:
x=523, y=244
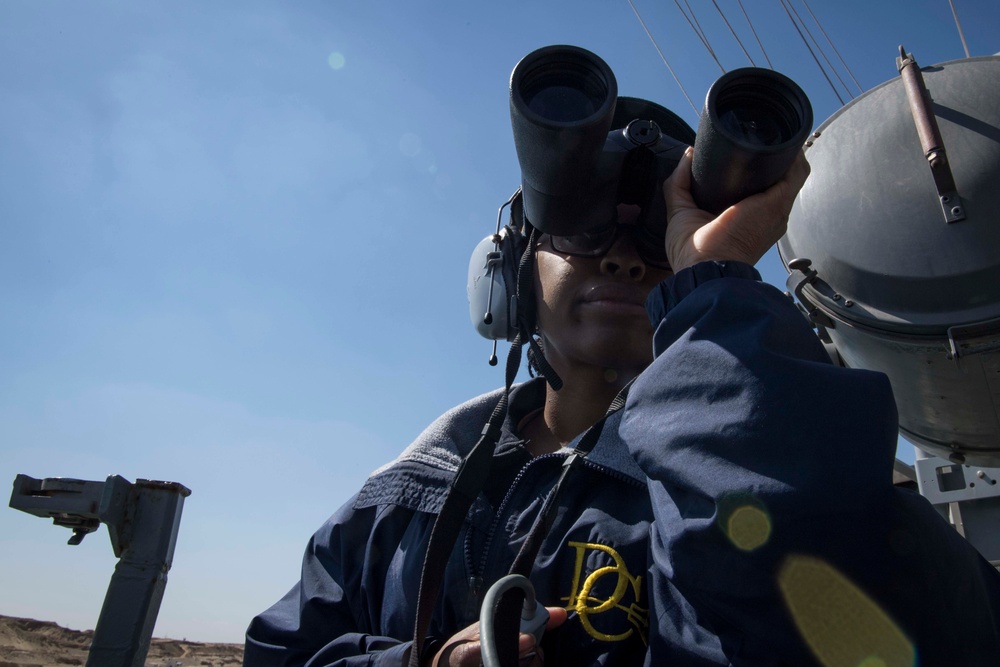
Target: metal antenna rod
x=958, y=24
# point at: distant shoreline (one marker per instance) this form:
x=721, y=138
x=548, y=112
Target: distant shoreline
x=27, y=642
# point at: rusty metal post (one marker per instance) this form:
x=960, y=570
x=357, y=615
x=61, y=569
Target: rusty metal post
x=921, y=107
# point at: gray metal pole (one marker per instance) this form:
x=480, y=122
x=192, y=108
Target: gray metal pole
x=143, y=520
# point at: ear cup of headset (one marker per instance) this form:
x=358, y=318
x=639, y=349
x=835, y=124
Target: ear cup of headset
x=492, y=286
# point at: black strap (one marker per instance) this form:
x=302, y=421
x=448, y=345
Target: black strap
x=474, y=470
x=466, y=486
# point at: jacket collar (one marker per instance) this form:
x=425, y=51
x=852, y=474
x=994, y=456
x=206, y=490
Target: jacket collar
x=420, y=476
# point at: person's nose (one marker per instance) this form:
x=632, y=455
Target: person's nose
x=623, y=260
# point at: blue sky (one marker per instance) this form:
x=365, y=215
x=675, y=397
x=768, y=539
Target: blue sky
x=235, y=241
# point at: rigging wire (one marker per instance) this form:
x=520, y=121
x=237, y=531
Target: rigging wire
x=697, y=24
x=797, y=22
x=754, y=31
x=958, y=24
x=692, y=21
x=726, y=21
x=830, y=41
x=818, y=64
x=662, y=57
x=820, y=49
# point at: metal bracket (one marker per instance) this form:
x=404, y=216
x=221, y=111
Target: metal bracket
x=968, y=497
x=800, y=275
x=962, y=339
x=942, y=481
x=76, y=504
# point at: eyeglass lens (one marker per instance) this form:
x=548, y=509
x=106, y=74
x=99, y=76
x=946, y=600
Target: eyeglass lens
x=596, y=243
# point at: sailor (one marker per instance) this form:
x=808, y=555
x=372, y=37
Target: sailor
x=737, y=509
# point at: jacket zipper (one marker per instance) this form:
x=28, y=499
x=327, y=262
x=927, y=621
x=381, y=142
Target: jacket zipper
x=478, y=574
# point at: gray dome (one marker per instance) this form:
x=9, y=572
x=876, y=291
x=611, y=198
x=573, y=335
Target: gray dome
x=902, y=290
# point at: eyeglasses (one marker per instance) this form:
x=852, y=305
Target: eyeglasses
x=597, y=242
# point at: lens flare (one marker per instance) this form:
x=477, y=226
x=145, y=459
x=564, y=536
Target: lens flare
x=748, y=527
x=336, y=60
x=410, y=144
x=840, y=623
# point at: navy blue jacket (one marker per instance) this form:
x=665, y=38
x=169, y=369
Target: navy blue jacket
x=739, y=510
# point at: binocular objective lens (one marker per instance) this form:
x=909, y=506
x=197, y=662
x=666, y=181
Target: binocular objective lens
x=754, y=127
x=561, y=104
x=759, y=114
x=563, y=93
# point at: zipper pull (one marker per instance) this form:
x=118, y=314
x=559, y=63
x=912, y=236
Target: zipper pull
x=475, y=585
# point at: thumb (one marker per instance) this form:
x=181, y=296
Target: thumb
x=677, y=188
x=557, y=616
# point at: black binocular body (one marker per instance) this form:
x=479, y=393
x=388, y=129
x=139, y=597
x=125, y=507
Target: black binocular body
x=583, y=150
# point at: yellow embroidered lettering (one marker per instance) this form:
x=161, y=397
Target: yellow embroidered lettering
x=583, y=600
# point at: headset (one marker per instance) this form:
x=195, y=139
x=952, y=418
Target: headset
x=494, y=307
x=493, y=269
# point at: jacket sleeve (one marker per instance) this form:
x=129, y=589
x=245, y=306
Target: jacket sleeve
x=323, y=620
x=778, y=536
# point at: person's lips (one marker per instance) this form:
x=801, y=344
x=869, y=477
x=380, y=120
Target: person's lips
x=617, y=297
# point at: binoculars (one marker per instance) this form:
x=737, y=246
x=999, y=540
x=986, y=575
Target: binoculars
x=583, y=150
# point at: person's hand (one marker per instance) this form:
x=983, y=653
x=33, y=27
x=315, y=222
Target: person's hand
x=743, y=232
x=463, y=649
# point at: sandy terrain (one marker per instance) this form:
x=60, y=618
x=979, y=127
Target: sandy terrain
x=28, y=643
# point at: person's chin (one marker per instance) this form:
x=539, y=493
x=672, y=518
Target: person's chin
x=628, y=355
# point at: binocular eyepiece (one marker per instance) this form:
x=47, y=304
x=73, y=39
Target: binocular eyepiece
x=583, y=150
